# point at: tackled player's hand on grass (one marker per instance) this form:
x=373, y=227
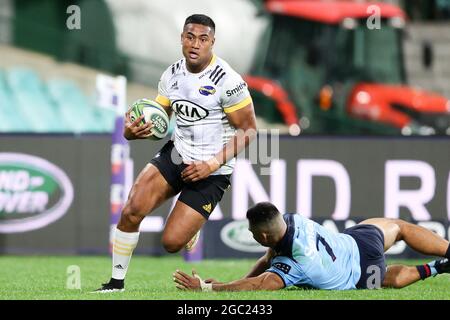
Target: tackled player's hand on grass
x=199, y=170
x=265, y=281
x=185, y=282
x=134, y=130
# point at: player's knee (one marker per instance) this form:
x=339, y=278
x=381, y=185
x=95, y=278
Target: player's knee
x=132, y=213
x=399, y=227
x=172, y=247
x=171, y=244
x=134, y=208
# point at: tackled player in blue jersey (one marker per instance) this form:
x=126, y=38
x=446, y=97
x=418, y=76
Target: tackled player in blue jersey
x=308, y=255
x=305, y=254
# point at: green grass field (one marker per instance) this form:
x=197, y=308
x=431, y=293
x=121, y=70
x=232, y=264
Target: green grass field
x=39, y=277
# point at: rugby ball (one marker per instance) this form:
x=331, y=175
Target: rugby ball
x=153, y=112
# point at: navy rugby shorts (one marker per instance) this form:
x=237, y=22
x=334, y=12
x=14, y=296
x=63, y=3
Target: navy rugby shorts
x=370, y=241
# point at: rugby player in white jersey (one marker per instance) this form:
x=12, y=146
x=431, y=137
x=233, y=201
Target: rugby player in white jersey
x=215, y=121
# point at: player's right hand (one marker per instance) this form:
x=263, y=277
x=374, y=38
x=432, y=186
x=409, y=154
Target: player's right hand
x=185, y=282
x=132, y=129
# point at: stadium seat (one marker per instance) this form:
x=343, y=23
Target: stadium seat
x=28, y=104
x=32, y=101
x=106, y=119
x=76, y=110
x=71, y=106
x=10, y=117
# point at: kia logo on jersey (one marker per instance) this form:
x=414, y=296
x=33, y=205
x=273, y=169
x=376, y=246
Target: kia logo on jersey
x=189, y=111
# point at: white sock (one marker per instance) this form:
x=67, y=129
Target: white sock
x=123, y=246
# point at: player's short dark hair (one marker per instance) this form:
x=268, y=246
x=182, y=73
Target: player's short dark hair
x=201, y=19
x=262, y=213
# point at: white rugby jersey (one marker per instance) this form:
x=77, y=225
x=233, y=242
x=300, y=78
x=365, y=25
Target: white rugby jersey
x=199, y=102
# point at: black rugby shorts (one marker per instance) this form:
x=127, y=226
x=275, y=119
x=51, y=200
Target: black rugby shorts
x=203, y=195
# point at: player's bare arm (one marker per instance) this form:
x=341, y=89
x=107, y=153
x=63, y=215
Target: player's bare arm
x=262, y=264
x=265, y=281
x=132, y=129
x=245, y=122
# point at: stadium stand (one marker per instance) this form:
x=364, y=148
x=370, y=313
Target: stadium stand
x=54, y=106
x=10, y=118
x=78, y=114
x=41, y=95
x=30, y=99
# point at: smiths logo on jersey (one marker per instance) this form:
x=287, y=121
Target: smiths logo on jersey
x=189, y=111
x=238, y=90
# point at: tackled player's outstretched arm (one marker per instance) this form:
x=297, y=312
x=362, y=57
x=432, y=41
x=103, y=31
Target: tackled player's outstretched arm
x=265, y=281
x=261, y=265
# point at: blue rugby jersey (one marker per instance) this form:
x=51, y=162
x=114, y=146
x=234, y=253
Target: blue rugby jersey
x=309, y=255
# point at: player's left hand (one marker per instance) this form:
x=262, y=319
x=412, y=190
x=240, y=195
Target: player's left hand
x=199, y=170
x=185, y=282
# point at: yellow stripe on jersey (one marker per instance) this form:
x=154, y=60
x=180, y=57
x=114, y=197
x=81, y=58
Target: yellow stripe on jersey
x=238, y=106
x=213, y=60
x=165, y=102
